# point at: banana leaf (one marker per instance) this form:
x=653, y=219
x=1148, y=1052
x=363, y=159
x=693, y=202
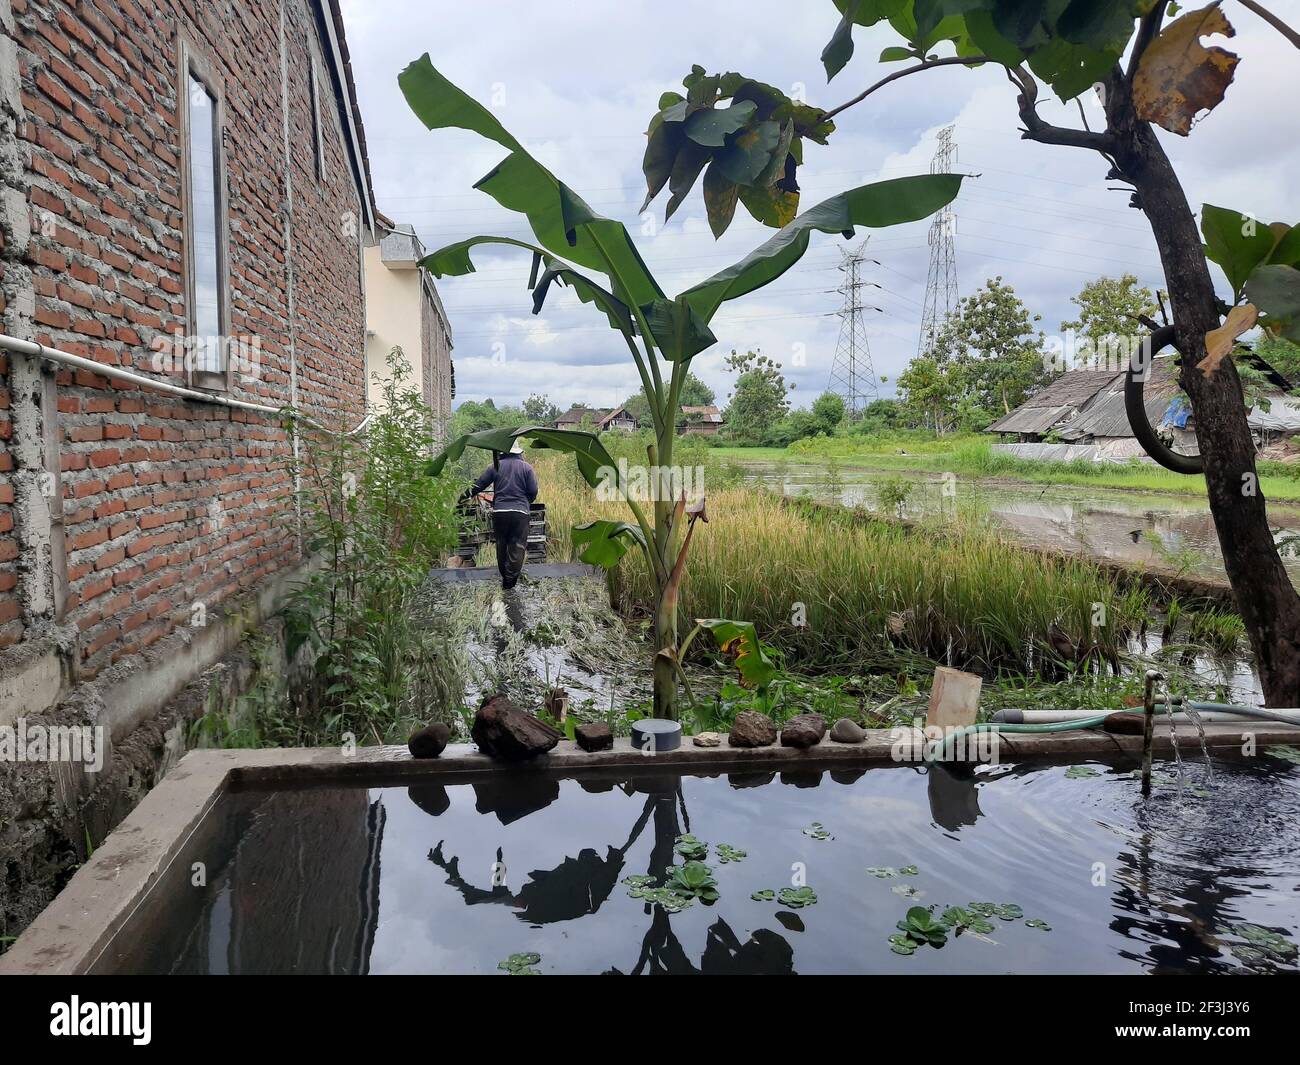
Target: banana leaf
x=883, y=203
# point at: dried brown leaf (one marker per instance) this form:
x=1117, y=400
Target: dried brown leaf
x=1178, y=76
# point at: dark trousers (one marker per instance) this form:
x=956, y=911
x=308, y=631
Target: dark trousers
x=510, y=528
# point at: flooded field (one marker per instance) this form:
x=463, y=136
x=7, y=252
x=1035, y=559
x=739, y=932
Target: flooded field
x=1118, y=525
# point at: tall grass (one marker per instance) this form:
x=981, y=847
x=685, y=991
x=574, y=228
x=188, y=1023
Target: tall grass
x=833, y=588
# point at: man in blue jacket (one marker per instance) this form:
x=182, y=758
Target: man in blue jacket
x=514, y=487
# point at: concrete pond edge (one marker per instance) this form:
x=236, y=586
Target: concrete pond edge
x=75, y=929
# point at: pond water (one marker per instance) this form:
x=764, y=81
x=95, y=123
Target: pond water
x=1124, y=526
x=456, y=877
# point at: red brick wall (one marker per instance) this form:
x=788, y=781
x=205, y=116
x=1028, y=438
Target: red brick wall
x=167, y=502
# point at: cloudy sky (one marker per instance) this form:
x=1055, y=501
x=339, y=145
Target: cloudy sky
x=577, y=83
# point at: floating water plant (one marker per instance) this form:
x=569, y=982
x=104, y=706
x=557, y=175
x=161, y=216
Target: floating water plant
x=691, y=848
x=728, y=853
x=1079, y=772
x=918, y=928
x=817, y=831
x=882, y=872
x=521, y=964
x=961, y=920
x=694, y=880
x=1263, y=946
x=1285, y=752
x=1035, y=922
x=763, y=895
x=907, y=891
x=797, y=898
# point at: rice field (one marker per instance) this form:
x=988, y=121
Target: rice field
x=834, y=589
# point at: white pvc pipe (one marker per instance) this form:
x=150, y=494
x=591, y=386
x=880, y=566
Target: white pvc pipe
x=66, y=358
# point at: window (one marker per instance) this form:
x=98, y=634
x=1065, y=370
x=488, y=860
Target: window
x=205, y=239
x=318, y=134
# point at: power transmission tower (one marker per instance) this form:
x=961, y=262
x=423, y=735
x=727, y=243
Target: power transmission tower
x=852, y=374
x=941, y=284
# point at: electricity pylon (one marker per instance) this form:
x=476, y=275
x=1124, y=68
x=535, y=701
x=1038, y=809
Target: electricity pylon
x=852, y=374
x=941, y=284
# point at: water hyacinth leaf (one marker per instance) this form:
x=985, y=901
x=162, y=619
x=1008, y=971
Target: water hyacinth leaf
x=728, y=853
x=604, y=542
x=883, y=203
x=691, y=848
x=1080, y=772
x=763, y=895
x=1178, y=77
x=1285, y=752
x=797, y=898
x=560, y=220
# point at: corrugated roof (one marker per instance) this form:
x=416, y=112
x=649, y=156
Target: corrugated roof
x=1046, y=409
x=1106, y=417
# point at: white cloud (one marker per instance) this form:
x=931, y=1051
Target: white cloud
x=579, y=87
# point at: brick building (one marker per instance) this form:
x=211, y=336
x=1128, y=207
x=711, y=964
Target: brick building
x=184, y=194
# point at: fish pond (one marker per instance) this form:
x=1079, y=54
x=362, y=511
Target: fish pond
x=997, y=869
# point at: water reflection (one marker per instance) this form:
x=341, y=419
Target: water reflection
x=455, y=877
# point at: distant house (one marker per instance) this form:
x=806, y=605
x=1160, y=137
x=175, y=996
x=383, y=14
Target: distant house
x=619, y=418
x=706, y=421
x=1054, y=406
x=575, y=416
x=403, y=310
x=1084, y=410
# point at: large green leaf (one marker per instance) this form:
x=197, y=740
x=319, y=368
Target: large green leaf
x=1275, y=290
x=594, y=462
x=455, y=259
x=560, y=220
x=755, y=665
x=616, y=311
x=604, y=542
x=711, y=126
x=679, y=332
x=1236, y=242
x=884, y=203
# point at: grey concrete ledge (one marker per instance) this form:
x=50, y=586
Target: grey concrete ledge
x=74, y=930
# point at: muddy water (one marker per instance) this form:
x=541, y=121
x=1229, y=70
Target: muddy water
x=1121, y=526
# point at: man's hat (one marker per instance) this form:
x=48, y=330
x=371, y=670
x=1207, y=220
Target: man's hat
x=517, y=448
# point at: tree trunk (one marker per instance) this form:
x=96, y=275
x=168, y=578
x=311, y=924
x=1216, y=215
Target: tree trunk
x=665, y=676
x=1266, y=599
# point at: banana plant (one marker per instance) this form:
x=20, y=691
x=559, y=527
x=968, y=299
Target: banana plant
x=662, y=333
